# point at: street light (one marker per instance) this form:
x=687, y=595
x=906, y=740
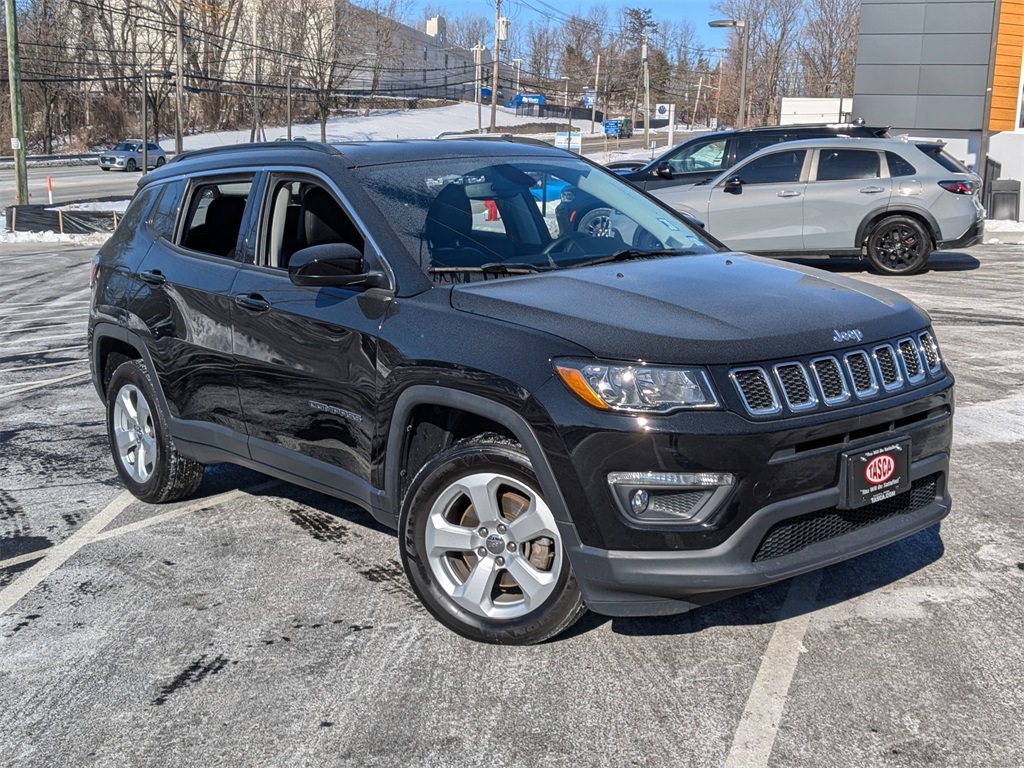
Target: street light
x=519, y=66
x=741, y=116
x=565, y=102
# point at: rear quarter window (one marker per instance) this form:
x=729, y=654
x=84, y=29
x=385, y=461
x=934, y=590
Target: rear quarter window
x=898, y=166
x=165, y=212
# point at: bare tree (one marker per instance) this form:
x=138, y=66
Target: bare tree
x=828, y=51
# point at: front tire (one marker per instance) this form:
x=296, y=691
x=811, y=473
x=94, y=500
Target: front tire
x=899, y=245
x=481, y=547
x=144, y=454
x=131, y=165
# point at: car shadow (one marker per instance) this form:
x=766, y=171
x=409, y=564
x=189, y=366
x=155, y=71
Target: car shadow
x=939, y=261
x=839, y=583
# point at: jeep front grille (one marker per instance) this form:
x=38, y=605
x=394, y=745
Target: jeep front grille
x=797, y=386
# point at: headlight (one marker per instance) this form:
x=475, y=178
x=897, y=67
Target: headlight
x=637, y=388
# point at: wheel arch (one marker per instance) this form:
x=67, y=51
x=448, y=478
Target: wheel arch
x=468, y=411
x=109, y=342
x=920, y=214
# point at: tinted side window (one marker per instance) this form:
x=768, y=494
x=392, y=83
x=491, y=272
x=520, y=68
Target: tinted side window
x=898, y=166
x=165, y=214
x=214, y=216
x=776, y=168
x=748, y=145
x=842, y=164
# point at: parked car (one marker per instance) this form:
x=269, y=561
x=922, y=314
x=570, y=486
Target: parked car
x=551, y=421
x=127, y=156
x=893, y=200
x=701, y=158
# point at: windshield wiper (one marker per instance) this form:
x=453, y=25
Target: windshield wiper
x=492, y=268
x=627, y=255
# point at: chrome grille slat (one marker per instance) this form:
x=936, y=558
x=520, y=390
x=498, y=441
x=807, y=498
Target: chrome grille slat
x=912, y=365
x=931, y=352
x=865, y=384
x=830, y=380
x=888, y=368
x=757, y=391
x=796, y=386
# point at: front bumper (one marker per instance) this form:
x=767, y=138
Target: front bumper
x=625, y=583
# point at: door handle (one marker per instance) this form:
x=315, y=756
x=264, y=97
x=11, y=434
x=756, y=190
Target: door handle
x=788, y=193
x=871, y=190
x=252, y=301
x=153, y=277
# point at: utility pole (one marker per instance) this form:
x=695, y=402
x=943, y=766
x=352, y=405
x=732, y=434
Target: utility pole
x=597, y=87
x=179, y=93
x=647, y=98
x=17, y=118
x=478, y=54
x=289, y=103
x=145, y=122
x=255, y=87
x=494, y=65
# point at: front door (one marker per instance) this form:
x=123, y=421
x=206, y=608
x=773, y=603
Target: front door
x=306, y=357
x=765, y=212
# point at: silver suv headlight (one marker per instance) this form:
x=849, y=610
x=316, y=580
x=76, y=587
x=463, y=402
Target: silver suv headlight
x=637, y=388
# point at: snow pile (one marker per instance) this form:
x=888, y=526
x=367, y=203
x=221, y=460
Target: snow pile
x=98, y=238
x=1005, y=231
x=118, y=206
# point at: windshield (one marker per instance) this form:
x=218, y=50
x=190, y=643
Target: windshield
x=125, y=146
x=482, y=217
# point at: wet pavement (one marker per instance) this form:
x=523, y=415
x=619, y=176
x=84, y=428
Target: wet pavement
x=260, y=623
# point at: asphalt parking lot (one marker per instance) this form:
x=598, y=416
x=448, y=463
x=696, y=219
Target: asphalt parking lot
x=262, y=624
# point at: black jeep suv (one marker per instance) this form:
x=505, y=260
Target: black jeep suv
x=634, y=423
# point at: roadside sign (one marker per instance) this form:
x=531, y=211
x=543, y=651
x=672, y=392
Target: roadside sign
x=571, y=141
x=611, y=127
x=589, y=97
x=15, y=144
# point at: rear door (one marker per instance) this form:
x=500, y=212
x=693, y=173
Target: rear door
x=187, y=307
x=306, y=356
x=846, y=187
x=766, y=214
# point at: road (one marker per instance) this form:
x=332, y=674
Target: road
x=262, y=624
x=77, y=182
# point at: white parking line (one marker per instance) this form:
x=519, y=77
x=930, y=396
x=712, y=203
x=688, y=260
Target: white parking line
x=93, y=531
x=60, y=554
x=41, y=384
x=759, y=724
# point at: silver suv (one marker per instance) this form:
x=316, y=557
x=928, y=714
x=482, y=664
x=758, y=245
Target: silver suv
x=127, y=156
x=892, y=200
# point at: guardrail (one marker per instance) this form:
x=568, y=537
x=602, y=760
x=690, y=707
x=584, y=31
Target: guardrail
x=92, y=158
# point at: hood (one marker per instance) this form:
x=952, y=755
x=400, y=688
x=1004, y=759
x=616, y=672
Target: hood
x=722, y=308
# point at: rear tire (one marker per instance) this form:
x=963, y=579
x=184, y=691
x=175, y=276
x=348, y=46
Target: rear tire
x=160, y=161
x=144, y=454
x=899, y=245
x=481, y=547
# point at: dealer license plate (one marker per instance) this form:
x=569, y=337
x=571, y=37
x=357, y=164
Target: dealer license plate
x=876, y=474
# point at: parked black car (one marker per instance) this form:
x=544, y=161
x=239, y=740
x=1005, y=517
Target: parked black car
x=551, y=421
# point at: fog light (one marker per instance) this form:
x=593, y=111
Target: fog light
x=639, y=501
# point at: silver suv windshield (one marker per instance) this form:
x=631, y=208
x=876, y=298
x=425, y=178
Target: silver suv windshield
x=481, y=217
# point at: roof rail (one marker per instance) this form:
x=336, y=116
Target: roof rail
x=315, y=146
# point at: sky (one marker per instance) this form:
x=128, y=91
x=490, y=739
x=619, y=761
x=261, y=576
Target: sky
x=697, y=12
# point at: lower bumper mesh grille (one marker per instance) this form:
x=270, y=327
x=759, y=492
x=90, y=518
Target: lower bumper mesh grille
x=797, y=533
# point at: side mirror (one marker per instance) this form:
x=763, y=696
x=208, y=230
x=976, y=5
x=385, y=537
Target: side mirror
x=664, y=170
x=734, y=185
x=332, y=264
